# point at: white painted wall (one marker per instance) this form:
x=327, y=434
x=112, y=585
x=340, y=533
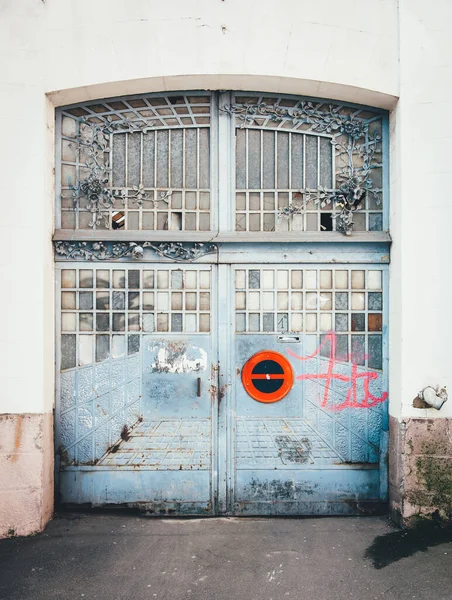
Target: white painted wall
x=73, y=50
x=421, y=317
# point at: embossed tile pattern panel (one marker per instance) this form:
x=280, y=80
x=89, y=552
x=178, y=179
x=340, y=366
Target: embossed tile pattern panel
x=165, y=445
x=276, y=442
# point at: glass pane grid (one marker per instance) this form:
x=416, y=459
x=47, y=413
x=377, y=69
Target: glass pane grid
x=285, y=168
x=104, y=311
x=346, y=301
x=155, y=164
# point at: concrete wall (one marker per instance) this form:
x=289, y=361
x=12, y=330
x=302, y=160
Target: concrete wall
x=61, y=51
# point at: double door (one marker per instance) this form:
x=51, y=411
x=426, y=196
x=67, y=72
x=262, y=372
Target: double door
x=222, y=387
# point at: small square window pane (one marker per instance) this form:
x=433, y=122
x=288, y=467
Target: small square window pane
x=204, y=280
x=268, y=321
x=68, y=278
x=326, y=322
x=133, y=344
x=310, y=280
x=297, y=280
x=254, y=201
x=282, y=279
x=102, y=279
x=254, y=279
x=103, y=300
x=68, y=322
x=296, y=300
x=311, y=300
x=162, y=322
x=375, y=322
x=68, y=351
x=312, y=222
x=269, y=201
x=311, y=322
x=254, y=322
x=177, y=279
x=102, y=347
x=204, y=323
x=358, y=321
x=253, y=300
x=341, y=322
x=375, y=221
x=148, y=300
x=240, y=280
x=118, y=346
x=190, y=280
x=148, y=322
x=269, y=222
x=176, y=301
x=119, y=279
x=282, y=301
x=255, y=222
x=85, y=322
x=162, y=301
x=119, y=322
x=85, y=300
x=268, y=280
x=358, y=301
x=134, y=322
x=190, y=221
x=68, y=300
x=375, y=353
x=85, y=350
x=86, y=278
x=190, y=301
x=204, y=200
x=326, y=301
x=134, y=300
x=240, y=222
x=190, y=201
x=204, y=301
x=358, y=343
x=102, y=322
x=341, y=300
x=374, y=280
x=240, y=322
x=358, y=282
x=341, y=280
x=118, y=301
x=162, y=279
x=326, y=280
x=190, y=323
x=240, y=201
x=268, y=300
x=147, y=220
x=375, y=301
x=148, y=279
x=176, y=322
x=296, y=322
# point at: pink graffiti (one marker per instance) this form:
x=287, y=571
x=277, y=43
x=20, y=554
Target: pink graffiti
x=352, y=400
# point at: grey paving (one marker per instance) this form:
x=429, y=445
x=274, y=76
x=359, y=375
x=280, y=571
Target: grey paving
x=119, y=556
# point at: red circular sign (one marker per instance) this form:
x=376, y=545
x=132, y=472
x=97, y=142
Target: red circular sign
x=267, y=376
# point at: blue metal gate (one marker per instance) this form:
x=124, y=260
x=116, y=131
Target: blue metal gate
x=170, y=279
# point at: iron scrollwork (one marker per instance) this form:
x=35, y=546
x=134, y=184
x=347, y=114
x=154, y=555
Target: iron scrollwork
x=176, y=251
x=354, y=180
x=93, y=142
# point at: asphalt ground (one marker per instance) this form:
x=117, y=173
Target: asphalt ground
x=116, y=556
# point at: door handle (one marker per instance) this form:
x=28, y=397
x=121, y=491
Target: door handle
x=198, y=387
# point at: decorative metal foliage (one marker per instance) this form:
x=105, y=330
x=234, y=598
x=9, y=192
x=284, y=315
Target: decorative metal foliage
x=94, y=140
x=353, y=181
x=176, y=251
